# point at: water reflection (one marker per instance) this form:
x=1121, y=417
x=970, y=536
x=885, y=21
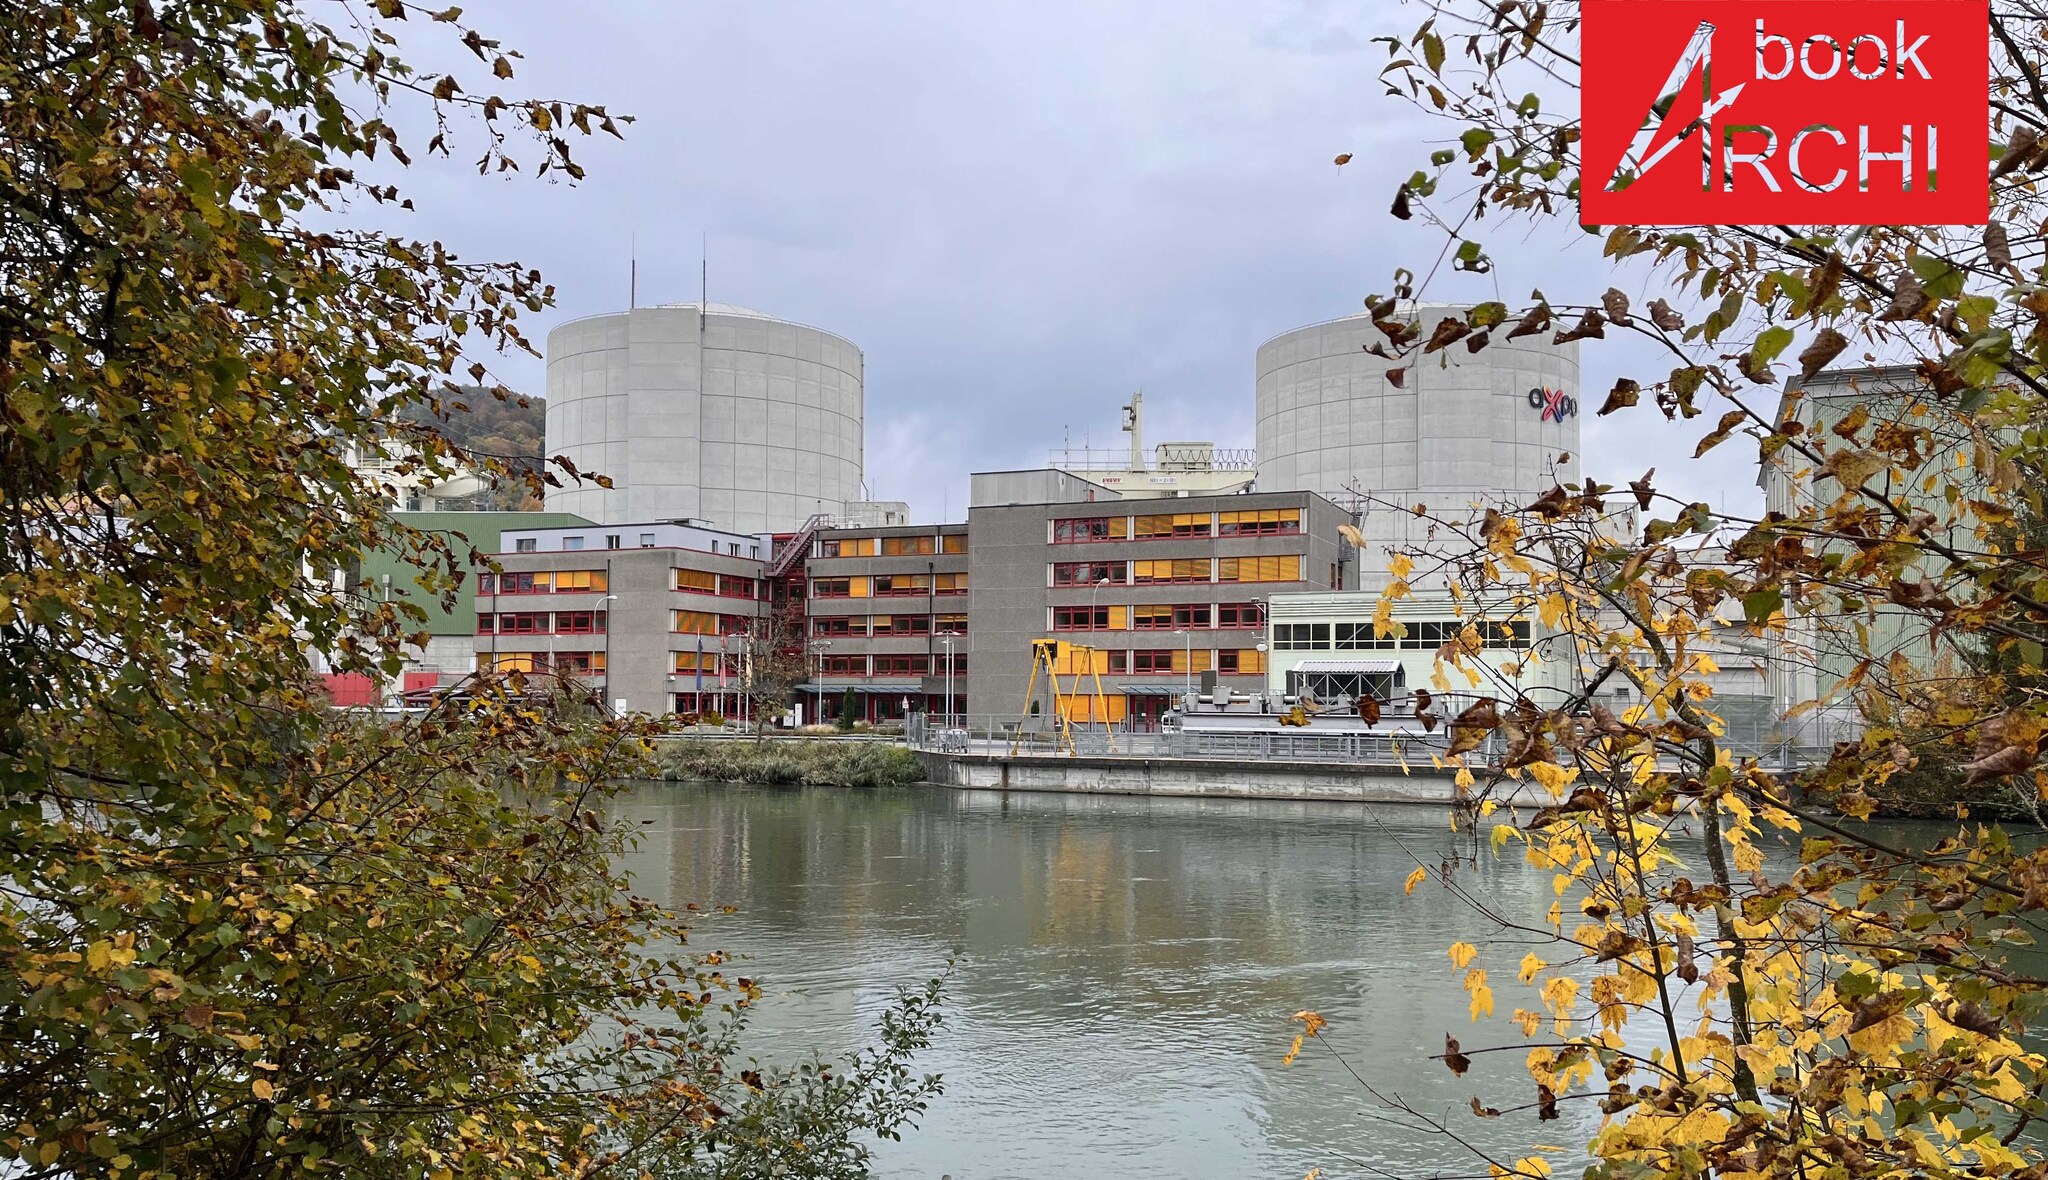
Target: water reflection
x=1128, y=969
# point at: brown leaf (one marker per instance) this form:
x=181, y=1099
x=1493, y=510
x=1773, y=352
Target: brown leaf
x=1729, y=421
x=1874, y=1010
x=1400, y=208
x=1665, y=318
x=1616, y=305
x=1369, y=710
x=1395, y=377
x=1448, y=330
x=1535, y=320
x=1477, y=341
x=1587, y=327
x=1643, y=490
x=1484, y=1112
x=1428, y=720
x=1551, y=504
x=1920, y=595
x=2017, y=151
x=1997, y=248
x=1615, y=944
x=1624, y=394
x=1685, y=967
x=1422, y=700
x=1458, y=1062
x=1826, y=346
x=1470, y=727
x=1546, y=1103
x=2003, y=764
x=1344, y=158
x=1970, y=1015
x=1908, y=300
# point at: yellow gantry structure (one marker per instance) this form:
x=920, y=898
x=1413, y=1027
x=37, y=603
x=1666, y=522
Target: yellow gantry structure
x=1055, y=657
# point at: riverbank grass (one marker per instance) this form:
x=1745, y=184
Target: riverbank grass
x=783, y=762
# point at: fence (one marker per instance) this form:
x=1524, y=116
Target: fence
x=989, y=735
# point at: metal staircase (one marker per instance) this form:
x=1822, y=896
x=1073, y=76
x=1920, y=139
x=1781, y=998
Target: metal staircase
x=799, y=546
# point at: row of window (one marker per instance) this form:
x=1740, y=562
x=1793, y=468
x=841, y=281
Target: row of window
x=540, y=622
x=707, y=662
x=543, y=582
x=1428, y=635
x=889, y=586
x=889, y=625
x=1157, y=616
x=1240, y=661
x=1252, y=523
x=568, y=663
x=891, y=665
x=615, y=541
x=1282, y=568
x=701, y=622
x=723, y=585
x=923, y=546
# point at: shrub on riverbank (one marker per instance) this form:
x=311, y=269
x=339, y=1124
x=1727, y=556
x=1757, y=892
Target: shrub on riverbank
x=792, y=763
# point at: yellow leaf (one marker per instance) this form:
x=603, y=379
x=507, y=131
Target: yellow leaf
x=1530, y=966
x=98, y=955
x=1461, y=953
x=1415, y=878
x=1400, y=566
x=262, y=1088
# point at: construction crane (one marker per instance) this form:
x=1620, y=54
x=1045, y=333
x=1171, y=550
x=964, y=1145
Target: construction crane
x=1050, y=656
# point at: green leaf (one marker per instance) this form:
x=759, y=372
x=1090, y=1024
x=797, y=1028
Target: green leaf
x=1770, y=342
x=1759, y=605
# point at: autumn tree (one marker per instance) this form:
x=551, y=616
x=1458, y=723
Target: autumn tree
x=1743, y=982
x=241, y=937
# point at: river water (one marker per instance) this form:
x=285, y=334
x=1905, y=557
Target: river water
x=1126, y=971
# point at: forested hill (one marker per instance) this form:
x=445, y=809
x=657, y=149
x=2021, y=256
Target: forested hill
x=508, y=429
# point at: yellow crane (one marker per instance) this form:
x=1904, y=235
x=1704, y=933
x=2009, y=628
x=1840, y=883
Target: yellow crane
x=1050, y=656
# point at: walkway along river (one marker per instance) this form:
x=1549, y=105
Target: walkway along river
x=1128, y=969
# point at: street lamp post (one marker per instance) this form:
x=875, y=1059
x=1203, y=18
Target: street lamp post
x=609, y=708
x=1188, y=658
x=818, y=647
x=947, y=639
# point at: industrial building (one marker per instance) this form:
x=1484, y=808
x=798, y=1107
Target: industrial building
x=885, y=618
x=658, y=614
x=1171, y=593
x=740, y=435
x=1454, y=430
x=705, y=411
x=1817, y=654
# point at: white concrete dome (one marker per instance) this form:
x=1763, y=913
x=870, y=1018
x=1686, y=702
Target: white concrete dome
x=713, y=412
x=1462, y=428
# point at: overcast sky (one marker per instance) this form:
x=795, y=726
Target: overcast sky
x=1019, y=211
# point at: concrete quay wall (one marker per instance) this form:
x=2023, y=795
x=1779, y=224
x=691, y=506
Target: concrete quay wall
x=1109, y=775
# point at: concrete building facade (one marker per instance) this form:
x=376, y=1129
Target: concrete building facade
x=886, y=610
x=1166, y=590
x=708, y=412
x=656, y=614
x=1816, y=656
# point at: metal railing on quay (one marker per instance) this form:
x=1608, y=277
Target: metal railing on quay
x=998, y=736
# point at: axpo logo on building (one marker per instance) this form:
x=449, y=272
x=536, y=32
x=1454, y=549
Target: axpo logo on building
x=1815, y=112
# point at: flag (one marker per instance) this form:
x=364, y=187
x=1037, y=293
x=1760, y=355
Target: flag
x=700, y=666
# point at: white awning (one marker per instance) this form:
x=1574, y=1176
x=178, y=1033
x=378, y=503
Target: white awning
x=1351, y=667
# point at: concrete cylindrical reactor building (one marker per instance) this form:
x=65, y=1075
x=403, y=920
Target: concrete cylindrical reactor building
x=1463, y=428
x=710, y=412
